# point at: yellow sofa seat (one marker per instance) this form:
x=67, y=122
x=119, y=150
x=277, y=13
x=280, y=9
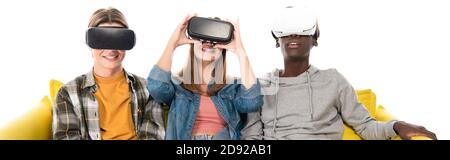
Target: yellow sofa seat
x=35, y=124
x=369, y=99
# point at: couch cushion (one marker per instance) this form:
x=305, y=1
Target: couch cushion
x=33, y=125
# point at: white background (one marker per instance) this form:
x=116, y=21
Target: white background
x=397, y=48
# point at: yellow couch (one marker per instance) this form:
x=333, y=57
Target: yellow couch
x=369, y=99
x=36, y=124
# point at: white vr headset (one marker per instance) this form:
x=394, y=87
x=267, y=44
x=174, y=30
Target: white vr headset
x=292, y=20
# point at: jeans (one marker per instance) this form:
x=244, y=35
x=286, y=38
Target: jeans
x=221, y=135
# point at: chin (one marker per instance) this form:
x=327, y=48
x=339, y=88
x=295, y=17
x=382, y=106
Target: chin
x=112, y=66
x=297, y=56
x=294, y=54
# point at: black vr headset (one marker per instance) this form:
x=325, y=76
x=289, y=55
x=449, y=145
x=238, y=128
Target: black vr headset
x=210, y=30
x=113, y=38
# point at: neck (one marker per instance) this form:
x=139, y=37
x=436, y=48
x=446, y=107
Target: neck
x=207, y=69
x=293, y=68
x=104, y=72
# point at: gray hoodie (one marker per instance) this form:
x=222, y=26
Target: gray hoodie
x=313, y=105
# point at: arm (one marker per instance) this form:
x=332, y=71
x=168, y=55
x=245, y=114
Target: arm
x=159, y=85
x=65, y=122
x=159, y=82
x=248, y=100
x=248, y=97
x=247, y=76
x=152, y=126
x=356, y=115
x=359, y=118
x=178, y=38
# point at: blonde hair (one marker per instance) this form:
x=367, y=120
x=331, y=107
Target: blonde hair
x=189, y=83
x=107, y=15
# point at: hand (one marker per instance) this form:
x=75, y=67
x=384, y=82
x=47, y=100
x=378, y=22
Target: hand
x=179, y=36
x=406, y=131
x=235, y=45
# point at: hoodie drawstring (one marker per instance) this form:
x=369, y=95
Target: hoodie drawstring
x=311, y=111
x=310, y=95
x=276, y=112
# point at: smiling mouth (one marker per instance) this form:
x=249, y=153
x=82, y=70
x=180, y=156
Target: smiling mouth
x=293, y=45
x=111, y=57
x=206, y=47
x=209, y=50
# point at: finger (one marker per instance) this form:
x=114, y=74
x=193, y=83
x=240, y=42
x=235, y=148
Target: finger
x=231, y=21
x=198, y=42
x=220, y=46
x=187, y=18
x=228, y=20
x=236, y=24
x=432, y=135
x=237, y=29
x=237, y=34
x=191, y=15
x=185, y=39
x=427, y=133
x=192, y=41
x=183, y=27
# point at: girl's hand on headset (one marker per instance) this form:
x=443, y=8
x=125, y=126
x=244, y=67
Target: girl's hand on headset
x=235, y=45
x=179, y=36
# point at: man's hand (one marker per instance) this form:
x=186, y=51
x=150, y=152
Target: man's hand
x=406, y=131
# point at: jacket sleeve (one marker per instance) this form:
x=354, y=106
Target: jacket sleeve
x=248, y=100
x=160, y=86
x=152, y=126
x=357, y=116
x=65, y=125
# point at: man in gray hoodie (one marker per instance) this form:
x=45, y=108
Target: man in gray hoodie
x=304, y=102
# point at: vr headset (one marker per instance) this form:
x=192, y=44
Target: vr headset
x=113, y=38
x=291, y=20
x=210, y=30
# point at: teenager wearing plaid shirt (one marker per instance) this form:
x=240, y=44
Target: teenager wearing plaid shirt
x=107, y=103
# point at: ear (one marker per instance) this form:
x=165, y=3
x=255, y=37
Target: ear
x=276, y=39
x=315, y=42
x=277, y=43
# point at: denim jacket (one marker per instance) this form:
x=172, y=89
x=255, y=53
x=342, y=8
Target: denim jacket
x=232, y=100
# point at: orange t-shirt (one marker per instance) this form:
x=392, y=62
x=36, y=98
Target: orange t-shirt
x=114, y=106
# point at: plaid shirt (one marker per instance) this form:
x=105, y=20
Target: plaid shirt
x=75, y=115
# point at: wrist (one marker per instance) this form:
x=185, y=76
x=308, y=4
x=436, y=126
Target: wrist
x=171, y=45
x=241, y=54
x=240, y=51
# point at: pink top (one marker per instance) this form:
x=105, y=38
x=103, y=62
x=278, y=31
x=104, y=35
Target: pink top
x=209, y=120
